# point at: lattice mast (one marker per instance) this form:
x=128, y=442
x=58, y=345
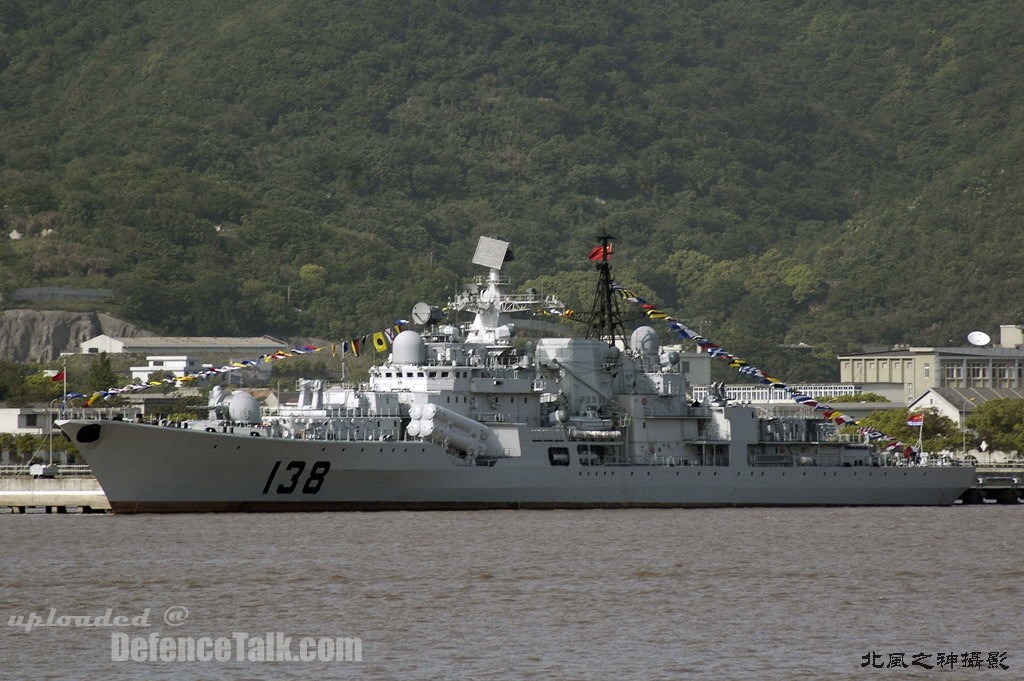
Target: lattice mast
x=605, y=320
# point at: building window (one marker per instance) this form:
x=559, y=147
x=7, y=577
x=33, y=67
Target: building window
x=927, y=370
x=31, y=420
x=978, y=374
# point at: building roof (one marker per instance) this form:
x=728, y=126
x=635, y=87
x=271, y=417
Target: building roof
x=969, y=398
x=155, y=342
x=948, y=351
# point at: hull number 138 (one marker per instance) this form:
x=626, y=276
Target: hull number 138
x=291, y=476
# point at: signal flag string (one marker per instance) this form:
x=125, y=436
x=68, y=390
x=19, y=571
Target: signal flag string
x=746, y=369
x=381, y=341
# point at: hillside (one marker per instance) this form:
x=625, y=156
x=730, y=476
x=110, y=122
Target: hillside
x=786, y=172
x=40, y=336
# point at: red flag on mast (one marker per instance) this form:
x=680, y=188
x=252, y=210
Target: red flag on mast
x=598, y=252
x=59, y=376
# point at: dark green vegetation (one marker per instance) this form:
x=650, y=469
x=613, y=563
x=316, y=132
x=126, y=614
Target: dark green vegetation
x=1000, y=423
x=827, y=173
x=939, y=433
x=25, y=384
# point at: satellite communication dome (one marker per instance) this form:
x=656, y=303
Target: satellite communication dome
x=978, y=338
x=409, y=348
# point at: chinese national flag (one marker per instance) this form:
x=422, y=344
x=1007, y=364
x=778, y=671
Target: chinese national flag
x=59, y=376
x=598, y=252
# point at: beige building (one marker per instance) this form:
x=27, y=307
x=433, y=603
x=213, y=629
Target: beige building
x=902, y=375
x=696, y=366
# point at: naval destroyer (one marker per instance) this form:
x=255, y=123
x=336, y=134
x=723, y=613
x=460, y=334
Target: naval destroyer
x=466, y=416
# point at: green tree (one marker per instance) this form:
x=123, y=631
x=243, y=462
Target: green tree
x=939, y=433
x=862, y=397
x=40, y=388
x=101, y=374
x=190, y=407
x=1000, y=423
x=12, y=378
x=377, y=140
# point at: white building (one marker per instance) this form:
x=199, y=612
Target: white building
x=175, y=365
x=761, y=395
x=178, y=345
x=26, y=420
x=181, y=365
x=778, y=402
x=959, y=403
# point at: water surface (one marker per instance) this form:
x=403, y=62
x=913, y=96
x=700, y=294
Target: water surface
x=637, y=594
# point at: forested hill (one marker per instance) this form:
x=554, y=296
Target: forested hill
x=778, y=172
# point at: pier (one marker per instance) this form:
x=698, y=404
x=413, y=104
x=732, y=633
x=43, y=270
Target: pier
x=1001, y=483
x=62, y=489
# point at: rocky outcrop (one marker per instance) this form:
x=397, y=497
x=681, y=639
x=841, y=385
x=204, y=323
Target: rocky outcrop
x=41, y=335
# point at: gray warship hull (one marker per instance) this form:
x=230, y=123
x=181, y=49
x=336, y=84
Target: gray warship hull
x=463, y=417
x=152, y=469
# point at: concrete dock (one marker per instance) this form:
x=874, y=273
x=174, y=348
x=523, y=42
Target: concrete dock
x=1003, y=484
x=74, y=489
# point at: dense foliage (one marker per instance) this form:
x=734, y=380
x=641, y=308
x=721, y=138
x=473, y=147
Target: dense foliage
x=1000, y=424
x=784, y=172
x=939, y=433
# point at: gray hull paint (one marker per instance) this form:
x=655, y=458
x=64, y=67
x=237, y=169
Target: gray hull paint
x=153, y=469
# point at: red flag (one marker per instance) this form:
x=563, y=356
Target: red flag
x=59, y=376
x=599, y=252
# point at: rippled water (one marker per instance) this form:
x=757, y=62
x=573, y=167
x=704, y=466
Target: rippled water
x=638, y=594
